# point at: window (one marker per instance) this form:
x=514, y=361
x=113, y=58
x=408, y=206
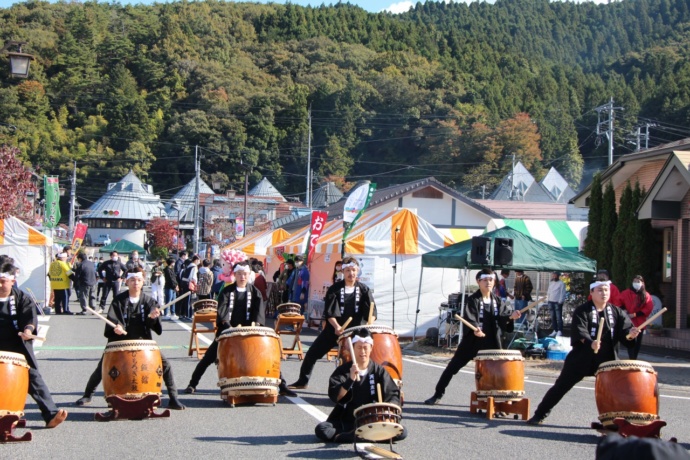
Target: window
x=428, y=192
x=667, y=255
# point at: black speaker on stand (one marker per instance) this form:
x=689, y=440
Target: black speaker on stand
x=481, y=250
x=503, y=251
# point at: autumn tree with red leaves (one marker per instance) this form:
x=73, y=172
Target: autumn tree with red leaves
x=163, y=232
x=18, y=199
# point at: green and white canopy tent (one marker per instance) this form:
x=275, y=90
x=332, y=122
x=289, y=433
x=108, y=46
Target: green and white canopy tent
x=568, y=235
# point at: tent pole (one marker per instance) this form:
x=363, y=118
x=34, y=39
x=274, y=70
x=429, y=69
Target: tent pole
x=465, y=280
x=419, y=296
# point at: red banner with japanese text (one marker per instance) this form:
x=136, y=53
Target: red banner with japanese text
x=78, y=239
x=318, y=222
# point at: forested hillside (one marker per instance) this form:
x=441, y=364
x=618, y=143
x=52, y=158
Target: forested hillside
x=445, y=90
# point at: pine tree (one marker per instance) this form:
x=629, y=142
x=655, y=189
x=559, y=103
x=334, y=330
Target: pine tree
x=632, y=243
x=609, y=219
x=622, y=239
x=591, y=248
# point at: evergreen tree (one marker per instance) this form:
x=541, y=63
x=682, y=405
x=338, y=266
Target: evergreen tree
x=632, y=242
x=622, y=238
x=609, y=219
x=591, y=248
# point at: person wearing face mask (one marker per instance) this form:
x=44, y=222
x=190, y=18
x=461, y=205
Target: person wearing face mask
x=639, y=305
x=134, y=261
x=283, y=280
x=112, y=271
x=338, y=272
x=299, y=283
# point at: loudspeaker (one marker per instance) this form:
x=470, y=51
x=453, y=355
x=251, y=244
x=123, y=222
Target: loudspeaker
x=503, y=251
x=481, y=250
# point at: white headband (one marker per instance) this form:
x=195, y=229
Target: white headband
x=7, y=276
x=351, y=264
x=356, y=338
x=596, y=284
x=242, y=268
x=485, y=276
x=135, y=275
x=62, y=255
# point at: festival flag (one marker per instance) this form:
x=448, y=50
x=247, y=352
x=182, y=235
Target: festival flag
x=51, y=187
x=239, y=228
x=355, y=205
x=318, y=222
x=78, y=239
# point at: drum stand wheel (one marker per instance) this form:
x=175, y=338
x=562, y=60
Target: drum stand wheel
x=491, y=406
x=132, y=409
x=626, y=428
x=7, y=425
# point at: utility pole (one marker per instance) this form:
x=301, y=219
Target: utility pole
x=246, y=193
x=197, y=189
x=608, y=109
x=644, y=136
x=308, y=198
x=483, y=191
x=72, y=202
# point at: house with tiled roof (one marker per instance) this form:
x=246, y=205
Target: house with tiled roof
x=123, y=211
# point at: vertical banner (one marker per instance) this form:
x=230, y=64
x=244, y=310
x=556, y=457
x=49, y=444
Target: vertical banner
x=78, y=239
x=239, y=228
x=318, y=222
x=355, y=205
x=51, y=189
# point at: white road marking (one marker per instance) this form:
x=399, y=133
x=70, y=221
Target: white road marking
x=42, y=332
x=44, y=318
x=528, y=381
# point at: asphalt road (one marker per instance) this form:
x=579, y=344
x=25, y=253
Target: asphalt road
x=211, y=429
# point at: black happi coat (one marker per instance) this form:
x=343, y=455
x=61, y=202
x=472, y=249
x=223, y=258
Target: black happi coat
x=491, y=324
x=358, y=313
x=362, y=392
x=133, y=318
x=25, y=315
x=236, y=315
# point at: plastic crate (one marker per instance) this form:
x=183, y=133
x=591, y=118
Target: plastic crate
x=556, y=355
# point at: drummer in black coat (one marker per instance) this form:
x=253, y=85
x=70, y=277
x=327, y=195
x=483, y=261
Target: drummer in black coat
x=239, y=304
x=18, y=324
x=588, y=352
x=345, y=299
x=136, y=315
x=483, y=310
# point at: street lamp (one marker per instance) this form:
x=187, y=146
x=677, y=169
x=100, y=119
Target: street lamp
x=19, y=62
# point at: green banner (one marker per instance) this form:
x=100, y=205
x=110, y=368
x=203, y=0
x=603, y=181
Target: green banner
x=51, y=189
x=350, y=226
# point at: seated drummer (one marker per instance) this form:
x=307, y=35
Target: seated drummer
x=136, y=314
x=18, y=324
x=353, y=385
x=239, y=304
x=345, y=299
x=588, y=352
x=485, y=311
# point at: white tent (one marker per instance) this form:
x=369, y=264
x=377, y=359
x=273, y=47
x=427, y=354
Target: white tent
x=32, y=253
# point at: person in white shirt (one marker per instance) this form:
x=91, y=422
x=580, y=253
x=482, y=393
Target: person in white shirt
x=556, y=297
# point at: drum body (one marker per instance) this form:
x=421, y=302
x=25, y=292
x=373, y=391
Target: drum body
x=14, y=375
x=627, y=389
x=500, y=374
x=205, y=306
x=378, y=421
x=289, y=309
x=132, y=369
x=386, y=351
x=248, y=362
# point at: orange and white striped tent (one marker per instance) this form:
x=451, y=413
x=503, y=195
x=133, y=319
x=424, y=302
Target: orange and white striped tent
x=257, y=243
x=31, y=251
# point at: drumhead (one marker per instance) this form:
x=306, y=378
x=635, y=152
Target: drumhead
x=247, y=331
x=395, y=408
x=131, y=345
x=16, y=359
x=626, y=365
x=502, y=355
x=372, y=328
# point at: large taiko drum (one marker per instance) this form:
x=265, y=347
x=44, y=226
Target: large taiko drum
x=386, y=351
x=132, y=369
x=378, y=421
x=627, y=389
x=14, y=375
x=205, y=306
x=500, y=374
x=248, y=362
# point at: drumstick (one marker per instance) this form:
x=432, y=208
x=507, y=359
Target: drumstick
x=532, y=305
x=107, y=321
x=252, y=323
x=649, y=320
x=352, y=353
x=35, y=337
x=601, y=329
x=371, y=313
x=175, y=300
x=344, y=326
x=465, y=322
x=378, y=392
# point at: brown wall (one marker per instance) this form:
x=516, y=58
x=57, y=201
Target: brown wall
x=645, y=176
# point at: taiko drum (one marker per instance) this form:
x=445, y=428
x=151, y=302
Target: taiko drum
x=378, y=421
x=386, y=351
x=132, y=369
x=205, y=306
x=500, y=374
x=249, y=362
x=627, y=389
x=14, y=375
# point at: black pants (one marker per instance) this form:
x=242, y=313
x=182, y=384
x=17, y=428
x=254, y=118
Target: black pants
x=182, y=305
x=61, y=300
x=100, y=290
x=38, y=390
x=465, y=353
x=573, y=372
x=107, y=287
x=635, y=349
x=168, y=378
x=343, y=433
x=87, y=293
x=322, y=345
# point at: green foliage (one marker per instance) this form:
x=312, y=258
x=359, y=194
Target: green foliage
x=609, y=219
x=596, y=203
x=157, y=252
x=624, y=240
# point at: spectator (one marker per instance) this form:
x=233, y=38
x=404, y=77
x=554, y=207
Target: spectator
x=85, y=279
x=158, y=282
x=112, y=271
x=555, y=296
x=171, y=288
x=205, y=277
x=523, y=290
x=60, y=275
x=134, y=261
